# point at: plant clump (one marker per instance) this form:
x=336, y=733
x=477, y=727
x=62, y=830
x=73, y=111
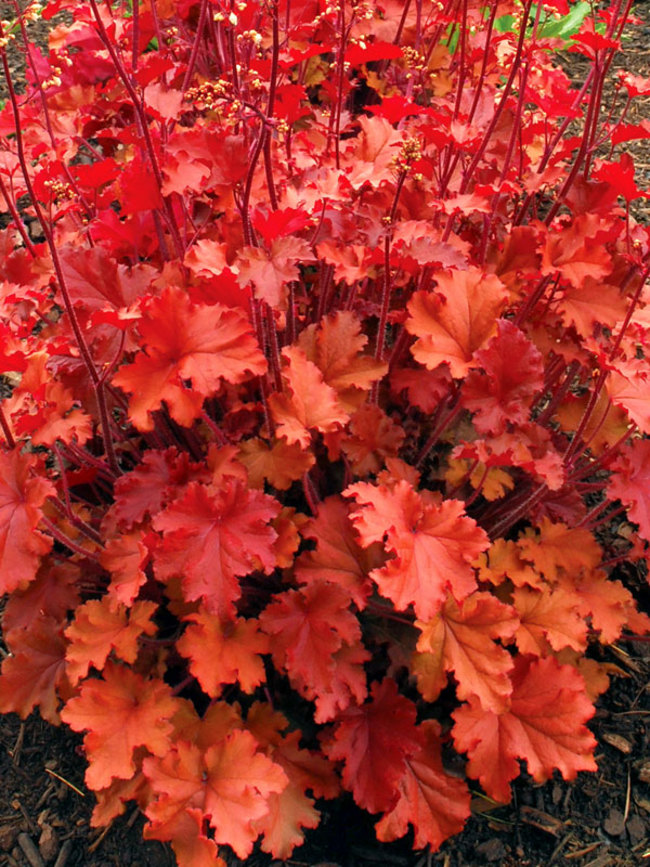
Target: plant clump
x=325, y=368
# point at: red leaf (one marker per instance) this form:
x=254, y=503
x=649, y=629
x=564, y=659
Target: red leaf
x=375, y=741
x=424, y=388
x=140, y=191
x=309, y=628
x=148, y=487
x=620, y=176
x=365, y=53
x=395, y=108
x=22, y=493
x=33, y=673
x=435, y=803
x=52, y=594
x=213, y=535
x=513, y=374
x=630, y=483
x=280, y=223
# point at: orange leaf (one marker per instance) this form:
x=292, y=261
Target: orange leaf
x=335, y=346
x=591, y=304
x=347, y=683
x=433, y=544
x=630, y=483
x=185, y=341
x=606, y=425
x=184, y=828
x=548, y=616
x=279, y=464
x=373, y=437
x=435, y=803
x=631, y=392
x=34, y=671
x=111, y=802
x=55, y=417
x=217, y=722
x=455, y=320
x=351, y=261
x=338, y=557
x=605, y=601
x=120, y=713
x=460, y=639
x=529, y=447
x=270, y=271
x=558, y=547
x=101, y=626
x=577, y=251
x=229, y=785
x=237, y=645
x=503, y=560
x=287, y=525
x=545, y=726
x=21, y=497
x=125, y=556
x=307, y=401
x=291, y=810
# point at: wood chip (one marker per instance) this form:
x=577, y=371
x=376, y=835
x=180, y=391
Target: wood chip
x=618, y=742
x=614, y=824
x=543, y=821
x=64, y=854
x=30, y=851
x=48, y=842
x=644, y=772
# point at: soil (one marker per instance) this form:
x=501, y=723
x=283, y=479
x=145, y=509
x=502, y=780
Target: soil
x=598, y=820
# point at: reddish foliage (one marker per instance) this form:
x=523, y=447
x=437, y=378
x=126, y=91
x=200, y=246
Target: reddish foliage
x=332, y=336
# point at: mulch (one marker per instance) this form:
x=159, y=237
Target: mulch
x=598, y=820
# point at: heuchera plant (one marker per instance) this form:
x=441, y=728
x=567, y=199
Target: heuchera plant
x=324, y=341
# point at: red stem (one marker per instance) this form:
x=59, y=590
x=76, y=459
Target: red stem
x=57, y=534
x=189, y=72
x=144, y=126
x=56, y=262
